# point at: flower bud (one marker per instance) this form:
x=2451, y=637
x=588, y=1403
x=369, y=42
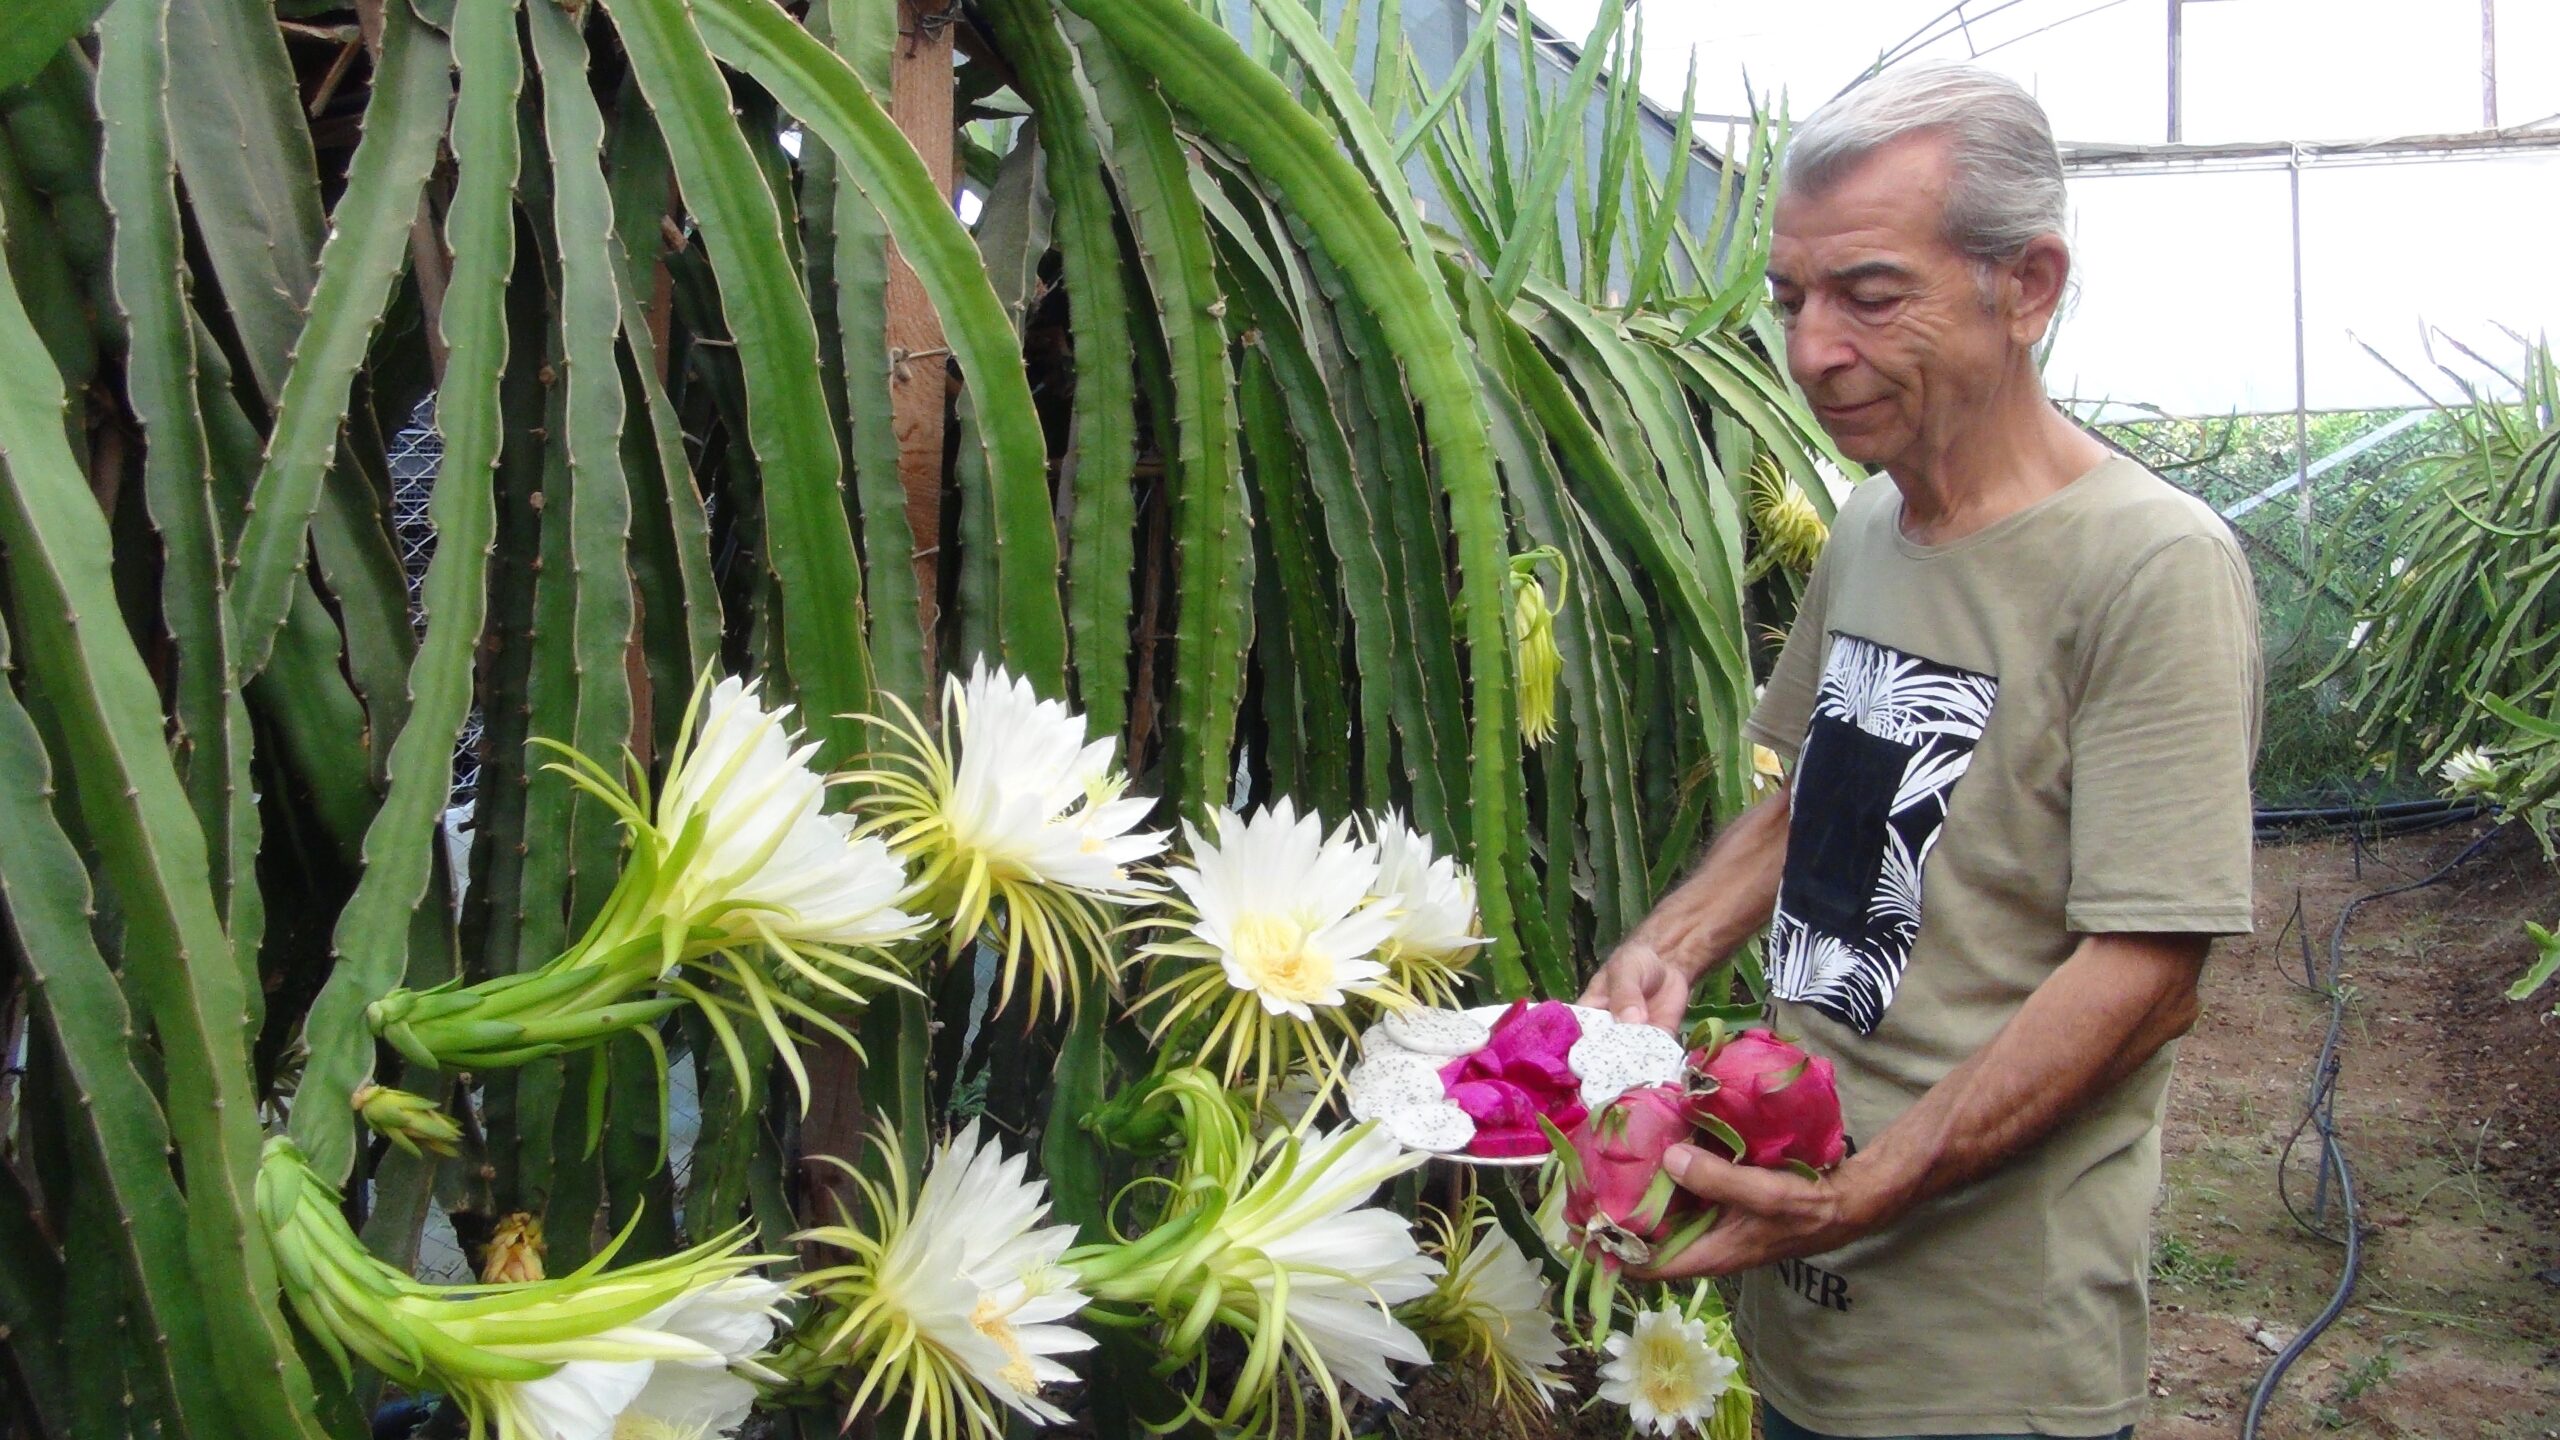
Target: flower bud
x=1535, y=656
x=411, y=1122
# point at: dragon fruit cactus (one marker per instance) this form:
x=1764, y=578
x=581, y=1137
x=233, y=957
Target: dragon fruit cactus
x=1768, y=1102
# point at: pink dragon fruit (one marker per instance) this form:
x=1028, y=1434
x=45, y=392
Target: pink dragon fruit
x=1520, y=1076
x=1768, y=1102
x=1619, y=1201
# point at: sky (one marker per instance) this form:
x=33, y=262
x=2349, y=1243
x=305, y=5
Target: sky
x=2185, y=279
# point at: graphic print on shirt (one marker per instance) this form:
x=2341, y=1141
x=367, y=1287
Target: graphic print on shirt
x=1891, y=735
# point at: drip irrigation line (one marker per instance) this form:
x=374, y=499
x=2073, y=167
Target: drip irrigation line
x=2432, y=805
x=2319, y=1113
x=2399, y=817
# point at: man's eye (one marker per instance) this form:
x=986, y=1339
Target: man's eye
x=1874, y=304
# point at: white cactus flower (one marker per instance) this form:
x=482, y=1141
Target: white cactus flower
x=1433, y=900
x=1014, y=817
x=1282, y=935
x=740, y=894
x=1349, y=1263
x=1287, y=908
x=664, y=1347
x=954, y=1297
x=679, y=1392
x=2472, y=771
x=1668, y=1372
x=1291, y=1256
x=1490, y=1309
x=770, y=862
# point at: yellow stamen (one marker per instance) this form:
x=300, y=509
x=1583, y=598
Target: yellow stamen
x=1662, y=1371
x=1273, y=951
x=994, y=1324
x=650, y=1427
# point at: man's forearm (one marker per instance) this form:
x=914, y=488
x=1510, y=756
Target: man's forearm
x=1728, y=899
x=2108, y=1009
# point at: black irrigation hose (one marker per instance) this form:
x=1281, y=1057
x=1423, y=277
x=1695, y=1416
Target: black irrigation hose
x=2402, y=817
x=2337, y=1301
x=2336, y=814
x=2320, y=1113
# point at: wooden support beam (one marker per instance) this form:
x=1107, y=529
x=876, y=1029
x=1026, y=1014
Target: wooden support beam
x=920, y=100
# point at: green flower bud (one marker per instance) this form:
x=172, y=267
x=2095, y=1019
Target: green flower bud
x=406, y=1120
x=1536, y=662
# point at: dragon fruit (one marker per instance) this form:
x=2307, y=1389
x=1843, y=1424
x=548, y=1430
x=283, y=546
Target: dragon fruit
x=1619, y=1201
x=1521, y=1075
x=1768, y=1102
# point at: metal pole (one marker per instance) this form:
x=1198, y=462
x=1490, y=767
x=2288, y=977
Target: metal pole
x=2488, y=64
x=2178, y=68
x=2301, y=384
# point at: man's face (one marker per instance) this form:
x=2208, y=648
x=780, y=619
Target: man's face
x=1888, y=330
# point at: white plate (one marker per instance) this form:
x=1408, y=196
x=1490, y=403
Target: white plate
x=1399, y=1086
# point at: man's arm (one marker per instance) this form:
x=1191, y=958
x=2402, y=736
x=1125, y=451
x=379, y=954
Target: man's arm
x=1700, y=923
x=2105, y=1011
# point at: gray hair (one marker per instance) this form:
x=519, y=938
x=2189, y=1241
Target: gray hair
x=2008, y=176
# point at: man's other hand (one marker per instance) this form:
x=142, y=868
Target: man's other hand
x=1641, y=987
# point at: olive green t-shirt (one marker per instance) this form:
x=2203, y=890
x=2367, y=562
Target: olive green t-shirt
x=2040, y=731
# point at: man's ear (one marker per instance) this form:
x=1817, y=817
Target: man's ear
x=2038, y=279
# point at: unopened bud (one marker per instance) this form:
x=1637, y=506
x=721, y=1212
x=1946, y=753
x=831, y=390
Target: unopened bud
x=1535, y=659
x=411, y=1122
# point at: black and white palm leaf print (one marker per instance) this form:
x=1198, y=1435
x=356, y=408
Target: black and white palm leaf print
x=1891, y=735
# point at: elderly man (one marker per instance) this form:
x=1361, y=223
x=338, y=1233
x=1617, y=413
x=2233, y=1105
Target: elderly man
x=2019, y=706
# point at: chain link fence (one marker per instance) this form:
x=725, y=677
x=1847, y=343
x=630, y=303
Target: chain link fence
x=417, y=457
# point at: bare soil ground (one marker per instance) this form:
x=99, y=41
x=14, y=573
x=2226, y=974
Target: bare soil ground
x=2449, y=1107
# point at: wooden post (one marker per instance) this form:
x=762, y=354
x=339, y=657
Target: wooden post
x=920, y=100
x=919, y=388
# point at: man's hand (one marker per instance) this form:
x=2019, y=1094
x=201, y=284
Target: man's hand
x=1768, y=1215
x=1640, y=987
x=1699, y=924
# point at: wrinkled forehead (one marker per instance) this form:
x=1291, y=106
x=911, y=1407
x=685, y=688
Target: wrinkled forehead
x=1887, y=211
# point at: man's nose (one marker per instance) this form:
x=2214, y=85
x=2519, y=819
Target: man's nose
x=1816, y=344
